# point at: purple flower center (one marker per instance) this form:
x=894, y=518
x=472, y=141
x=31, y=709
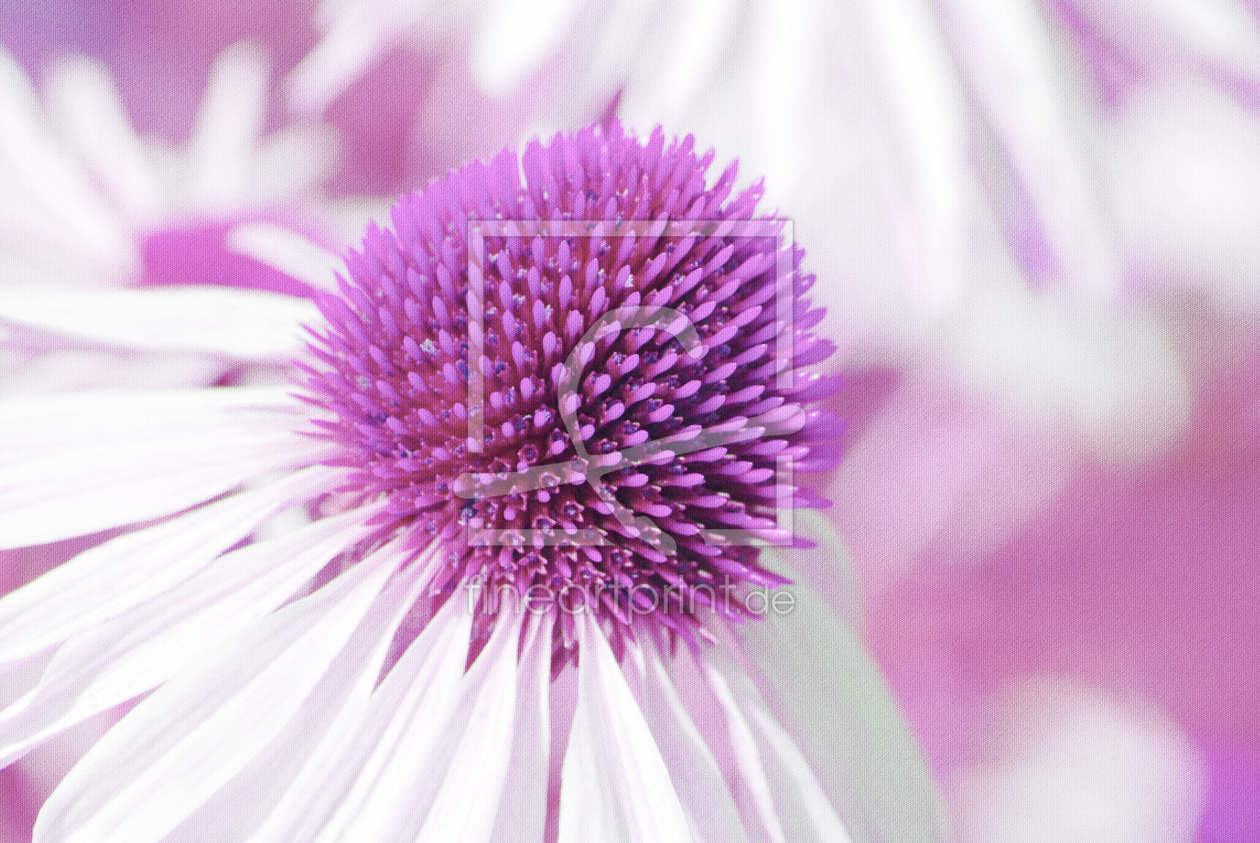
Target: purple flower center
x=583, y=386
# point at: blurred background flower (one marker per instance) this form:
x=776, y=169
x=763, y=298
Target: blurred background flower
x=1035, y=227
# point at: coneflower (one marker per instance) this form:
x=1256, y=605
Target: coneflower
x=92, y=211
x=538, y=448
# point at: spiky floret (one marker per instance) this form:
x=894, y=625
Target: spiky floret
x=398, y=352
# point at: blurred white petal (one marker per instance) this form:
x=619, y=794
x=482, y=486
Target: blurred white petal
x=233, y=322
x=1114, y=377
x=289, y=162
x=1072, y=766
x=291, y=253
x=1006, y=51
x=229, y=123
x=676, y=64
x=51, y=197
x=1185, y=168
x=514, y=37
x=917, y=91
x=84, y=99
x=1174, y=34
x=356, y=34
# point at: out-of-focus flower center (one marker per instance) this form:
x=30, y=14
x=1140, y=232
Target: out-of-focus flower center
x=587, y=406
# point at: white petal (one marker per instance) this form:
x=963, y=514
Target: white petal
x=400, y=785
x=615, y=787
x=701, y=788
x=229, y=124
x=348, y=217
x=751, y=768
x=1063, y=762
x=420, y=683
x=826, y=824
x=523, y=805
x=57, y=192
x=192, y=735
x=356, y=34
x=1185, y=183
x=133, y=653
x=32, y=257
x=113, y=577
x=54, y=422
x=328, y=11
x=248, y=324
x=315, y=736
x=76, y=464
x=687, y=43
x=1224, y=31
x=925, y=133
x=77, y=369
x=791, y=82
x=1006, y=49
x=465, y=807
x=84, y=99
x=166, y=162
x=619, y=41
x=514, y=39
x=287, y=251
x=789, y=801
x=837, y=707
x=341, y=56
x=19, y=679
x=293, y=163
x=1114, y=376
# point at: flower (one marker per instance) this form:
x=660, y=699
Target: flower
x=1047, y=210
x=93, y=211
x=1069, y=764
x=94, y=189
x=483, y=574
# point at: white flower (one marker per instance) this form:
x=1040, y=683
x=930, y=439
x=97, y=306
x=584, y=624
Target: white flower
x=90, y=211
x=83, y=187
x=312, y=625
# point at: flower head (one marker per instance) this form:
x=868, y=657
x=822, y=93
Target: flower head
x=634, y=414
